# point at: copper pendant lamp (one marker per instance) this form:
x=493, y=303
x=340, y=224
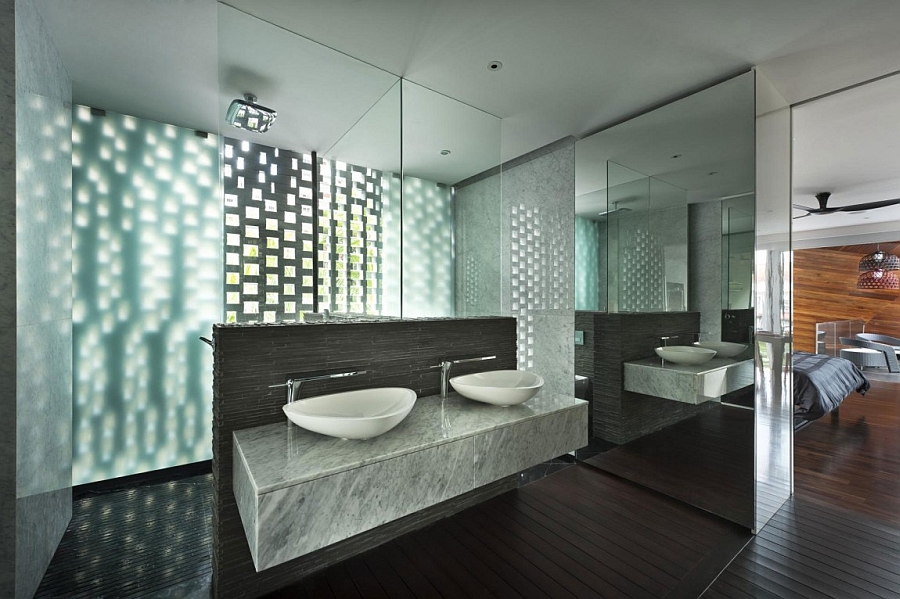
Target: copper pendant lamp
x=877, y=271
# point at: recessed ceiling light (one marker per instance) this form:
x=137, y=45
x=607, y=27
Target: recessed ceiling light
x=445, y=152
x=495, y=65
x=676, y=155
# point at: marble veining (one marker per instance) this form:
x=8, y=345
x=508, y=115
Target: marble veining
x=296, y=520
x=705, y=272
x=511, y=449
x=247, y=499
x=298, y=491
x=36, y=239
x=282, y=455
x=688, y=383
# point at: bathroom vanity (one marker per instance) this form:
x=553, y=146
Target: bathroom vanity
x=299, y=491
x=689, y=384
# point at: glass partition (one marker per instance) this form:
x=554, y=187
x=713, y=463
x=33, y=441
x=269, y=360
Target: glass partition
x=738, y=242
x=445, y=143
x=672, y=193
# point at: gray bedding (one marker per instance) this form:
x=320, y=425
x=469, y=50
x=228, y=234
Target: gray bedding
x=821, y=383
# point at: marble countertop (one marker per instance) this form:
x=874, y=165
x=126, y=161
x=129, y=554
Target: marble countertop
x=714, y=364
x=281, y=455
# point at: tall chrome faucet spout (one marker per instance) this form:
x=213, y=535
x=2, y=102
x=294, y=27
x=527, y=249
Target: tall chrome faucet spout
x=445, y=371
x=293, y=384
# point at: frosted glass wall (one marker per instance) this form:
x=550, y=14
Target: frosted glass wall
x=428, y=261
x=590, y=254
x=147, y=268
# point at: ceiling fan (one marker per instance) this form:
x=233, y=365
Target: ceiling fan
x=823, y=208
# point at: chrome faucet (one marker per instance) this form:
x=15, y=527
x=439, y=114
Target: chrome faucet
x=445, y=371
x=293, y=384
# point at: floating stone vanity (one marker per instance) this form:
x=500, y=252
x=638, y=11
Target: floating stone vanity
x=298, y=491
x=688, y=384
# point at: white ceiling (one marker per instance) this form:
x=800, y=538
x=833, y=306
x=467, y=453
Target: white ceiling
x=569, y=67
x=848, y=144
x=711, y=131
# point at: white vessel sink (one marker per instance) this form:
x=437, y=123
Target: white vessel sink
x=685, y=354
x=353, y=414
x=499, y=387
x=724, y=349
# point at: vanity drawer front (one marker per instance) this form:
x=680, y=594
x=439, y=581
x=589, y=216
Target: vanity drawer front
x=297, y=520
x=513, y=448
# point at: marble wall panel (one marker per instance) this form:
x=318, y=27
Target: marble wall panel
x=515, y=240
x=554, y=351
x=705, y=259
x=537, y=262
x=41, y=520
x=44, y=418
x=42, y=254
x=513, y=448
x=247, y=501
x=299, y=519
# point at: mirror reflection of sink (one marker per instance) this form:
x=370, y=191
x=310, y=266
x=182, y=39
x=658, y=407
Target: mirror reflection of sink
x=353, y=414
x=499, y=387
x=687, y=355
x=724, y=349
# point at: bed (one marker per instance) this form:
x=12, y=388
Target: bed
x=821, y=383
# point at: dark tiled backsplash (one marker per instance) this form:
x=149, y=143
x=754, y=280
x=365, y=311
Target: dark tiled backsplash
x=247, y=359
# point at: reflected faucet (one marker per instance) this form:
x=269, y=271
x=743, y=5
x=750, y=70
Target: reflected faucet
x=293, y=384
x=445, y=371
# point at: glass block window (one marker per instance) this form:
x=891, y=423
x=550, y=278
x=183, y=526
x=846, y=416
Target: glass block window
x=269, y=237
x=349, y=238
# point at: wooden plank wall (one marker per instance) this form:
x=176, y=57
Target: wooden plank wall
x=825, y=290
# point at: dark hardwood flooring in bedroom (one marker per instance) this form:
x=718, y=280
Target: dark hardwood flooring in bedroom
x=839, y=536
x=853, y=461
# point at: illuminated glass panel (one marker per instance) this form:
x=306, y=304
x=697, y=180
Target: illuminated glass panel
x=147, y=262
x=428, y=265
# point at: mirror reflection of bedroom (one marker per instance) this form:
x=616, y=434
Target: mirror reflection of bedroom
x=846, y=261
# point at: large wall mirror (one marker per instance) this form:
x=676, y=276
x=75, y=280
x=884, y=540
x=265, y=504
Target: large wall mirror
x=665, y=207
x=346, y=204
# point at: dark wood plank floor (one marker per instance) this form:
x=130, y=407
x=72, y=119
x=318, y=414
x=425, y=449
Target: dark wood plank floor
x=577, y=533
x=810, y=549
x=854, y=462
x=840, y=534
x=706, y=461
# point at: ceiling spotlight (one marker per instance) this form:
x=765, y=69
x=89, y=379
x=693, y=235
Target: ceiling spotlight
x=445, y=152
x=247, y=114
x=495, y=65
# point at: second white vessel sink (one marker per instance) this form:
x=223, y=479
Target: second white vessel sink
x=724, y=349
x=685, y=354
x=359, y=414
x=499, y=387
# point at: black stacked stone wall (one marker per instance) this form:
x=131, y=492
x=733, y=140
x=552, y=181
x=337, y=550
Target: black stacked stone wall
x=397, y=353
x=611, y=340
x=584, y=359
